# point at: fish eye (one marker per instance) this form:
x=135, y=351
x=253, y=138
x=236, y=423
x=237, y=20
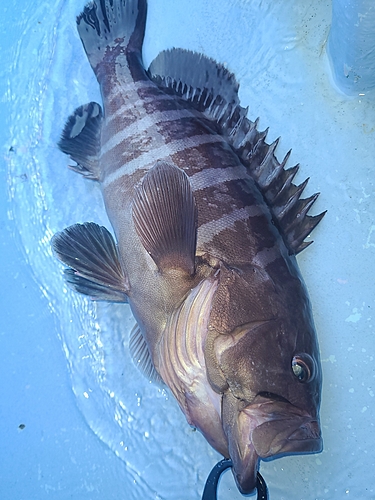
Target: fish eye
x=303, y=367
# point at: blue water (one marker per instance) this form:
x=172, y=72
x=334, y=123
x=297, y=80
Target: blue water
x=115, y=435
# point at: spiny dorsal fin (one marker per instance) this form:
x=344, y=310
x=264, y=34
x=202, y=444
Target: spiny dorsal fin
x=140, y=353
x=165, y=217
x=81, y=139
x=213, y=90
x=94, y=266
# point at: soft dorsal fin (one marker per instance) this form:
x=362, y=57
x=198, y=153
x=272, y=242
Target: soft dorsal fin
x=165, y=217
x=81, y=139
x=94, y=265
x=213, y=90
x=141, y=356
x=196, y=78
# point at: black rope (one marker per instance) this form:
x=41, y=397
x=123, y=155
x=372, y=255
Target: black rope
x=210, y=488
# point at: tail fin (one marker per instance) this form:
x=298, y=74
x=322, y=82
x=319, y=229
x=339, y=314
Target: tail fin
x=112, y=23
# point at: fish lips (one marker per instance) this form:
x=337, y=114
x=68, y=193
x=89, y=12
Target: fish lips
x=280, y=429
x=287, y=436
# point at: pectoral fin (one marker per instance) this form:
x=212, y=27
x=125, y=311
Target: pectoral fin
x=141, y=356
x=94, y=266
x=165, y=217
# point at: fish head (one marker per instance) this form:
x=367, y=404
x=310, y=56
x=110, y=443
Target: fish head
x=262, y=355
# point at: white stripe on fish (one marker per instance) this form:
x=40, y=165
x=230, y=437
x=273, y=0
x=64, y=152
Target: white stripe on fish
x=141, y=125
x=148, y=158
x=214, y=176
x=136, y=104
x=210, y=229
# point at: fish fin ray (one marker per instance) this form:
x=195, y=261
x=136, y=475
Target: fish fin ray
x=80, y=139
x=165, y=217
x=302, y=229
x=95, y=291
x=140, y=353
x=213, y=90
x=108, y=23
x=94, y=266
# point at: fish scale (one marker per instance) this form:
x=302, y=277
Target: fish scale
x=181, y=136
x=207, y=224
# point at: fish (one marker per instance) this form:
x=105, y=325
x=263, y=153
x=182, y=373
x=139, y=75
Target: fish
x=206, y=226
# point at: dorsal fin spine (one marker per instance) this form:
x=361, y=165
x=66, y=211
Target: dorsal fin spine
x=292, y=199
x=301, y=208
x=268, y=168
x=270, y=152
x=259, y=144
x=247, y=139
x=273, y=175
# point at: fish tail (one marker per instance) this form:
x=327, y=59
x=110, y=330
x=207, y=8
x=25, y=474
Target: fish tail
x=105, y=25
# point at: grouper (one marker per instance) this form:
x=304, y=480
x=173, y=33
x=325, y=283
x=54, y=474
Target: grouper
x=206, y=225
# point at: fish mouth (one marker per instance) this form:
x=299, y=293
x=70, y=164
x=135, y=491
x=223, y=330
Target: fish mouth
x=282, y=427
x=287, y=436
x=267, y=428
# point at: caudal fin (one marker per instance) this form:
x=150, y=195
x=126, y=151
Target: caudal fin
x=111, y=23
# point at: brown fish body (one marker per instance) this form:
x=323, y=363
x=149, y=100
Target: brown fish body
x=207, y=223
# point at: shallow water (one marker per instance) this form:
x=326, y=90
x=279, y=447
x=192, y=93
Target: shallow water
x=277, y=51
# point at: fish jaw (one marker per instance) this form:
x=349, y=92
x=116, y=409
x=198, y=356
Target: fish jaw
x=287, y=436
x=238, y=429
x=265, y=429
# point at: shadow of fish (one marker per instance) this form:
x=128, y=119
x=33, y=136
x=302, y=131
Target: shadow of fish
x=207, y=223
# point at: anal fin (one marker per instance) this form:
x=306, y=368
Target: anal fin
x=94, y=266
x=81, y=139
x=165, y=217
